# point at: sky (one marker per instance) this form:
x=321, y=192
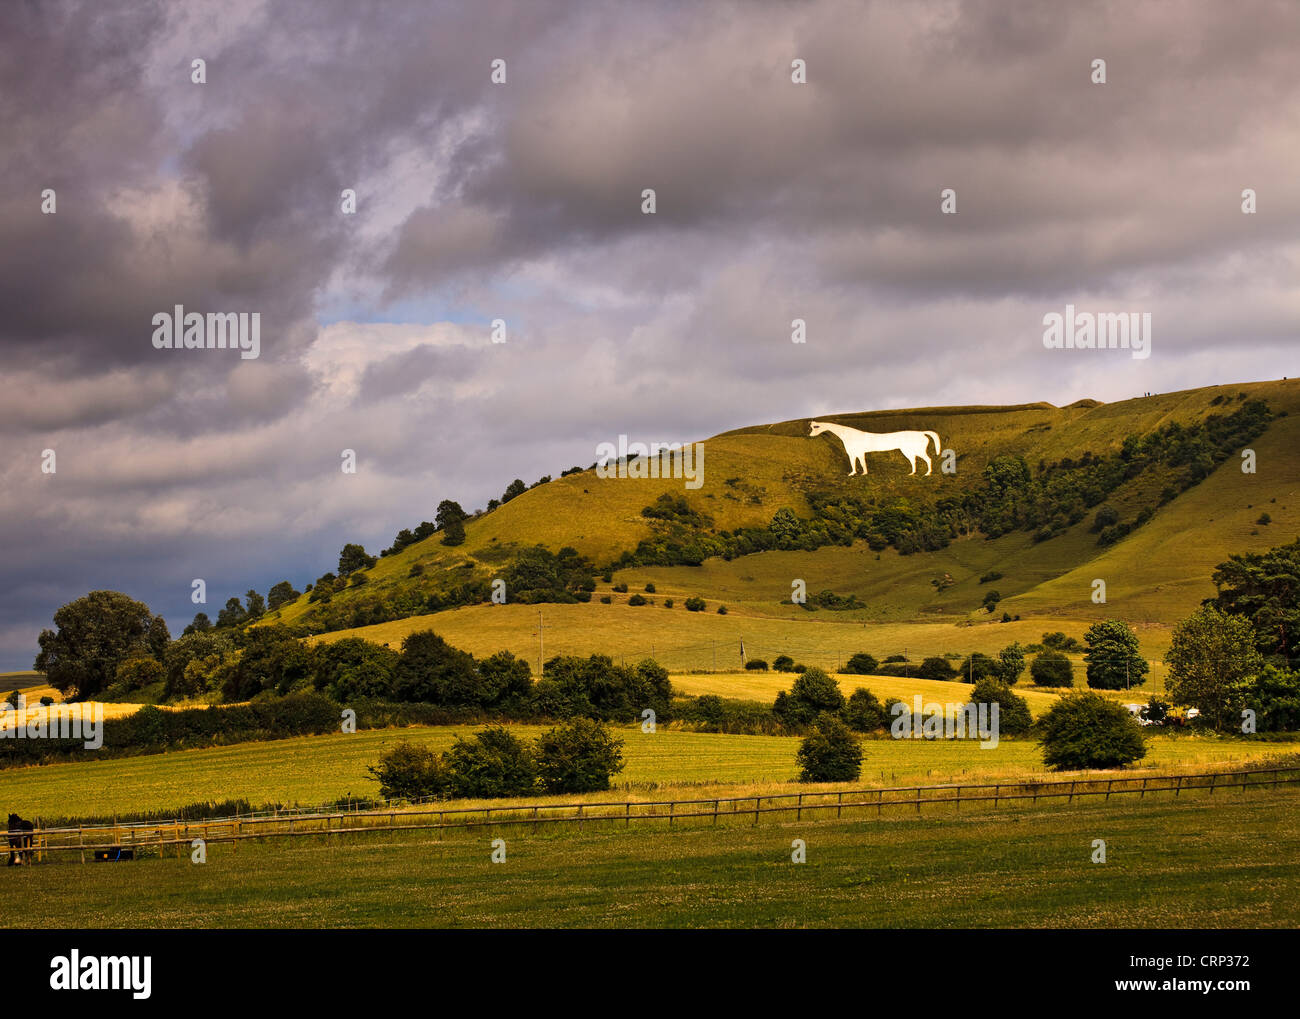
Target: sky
x=523, y=200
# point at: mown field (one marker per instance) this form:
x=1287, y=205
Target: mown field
x=318, y=769
x=1195, y=862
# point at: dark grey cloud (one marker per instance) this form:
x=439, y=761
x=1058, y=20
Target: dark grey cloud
x=522, y=202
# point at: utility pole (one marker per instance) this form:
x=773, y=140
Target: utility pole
x=541, y=643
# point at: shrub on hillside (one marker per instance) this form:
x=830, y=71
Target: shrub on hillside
x=830, y=753
x=756, y=665
x=935, y=667
x=695, y=604
x=1051, y=668
x=579, y=756
x=861, y=664
x=976, y=667
x=783, y=663
x=636, y=599
x=1086, y=730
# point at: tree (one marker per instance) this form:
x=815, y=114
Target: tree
x=830, y=753
x=97, y=633
x=135, y=674
x=1210, y=655
x=409, y=772
x=811, y=694
x=256, y=604
x=861, y=664
x=433, y=671
x=454, y=533
x=1051, y=668
x=200, y=624
x=505, y=681
x=281, y=594
x=864, y=712
x=1013, y=712
x=212, y=648
x=1274, y=696
x=991, y=599
x=1011, y=663
x=1112, y=656
x=232, y=615
x=1265, y=589
x=352, y=558
x=579, y=756
x=976, y=667
x=354, y=667
x=450, y=519
x=1086, y=730
x=783, y=663
x=936, y=667
x=273, y=659
x=492, y=763
x=515, y=488
x=694, y=604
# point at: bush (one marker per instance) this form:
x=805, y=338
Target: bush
x=579, y=756
x=992, y=575
x=409, y=772
x=1086, y=730
x=606, y=599
x=620, y=588
x=491, y=764
x=936, y=668
x=1013, y=713
x=649, y=589
x=695, y=604
x=831, y=753
x=864, y=712
x=783, y=663
x=1051, y=668
x=811, y=694
x=668, y=603
x=756, y=665
x=722, y=610
x=636, y=599
x=861, y=664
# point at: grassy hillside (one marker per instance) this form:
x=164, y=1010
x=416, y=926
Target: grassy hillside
x=1155, y=575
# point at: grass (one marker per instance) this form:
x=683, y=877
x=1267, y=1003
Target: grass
x=1195, y=862
x=319, y=769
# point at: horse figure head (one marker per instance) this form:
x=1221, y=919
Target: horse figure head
x=817, y=428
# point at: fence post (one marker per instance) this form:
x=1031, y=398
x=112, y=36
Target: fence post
x=756, y=810
x=839, y=806
x=799, y=813
x=1179, y=787
x=1212, y=778
x=715, y=812
x=880, y=801
x=1143, y=794
x=1109, y=783
x=996, y=790
x=627, y=813
x=81, y=842
x=918, y=799
x=672, y=809
x=1071, y=799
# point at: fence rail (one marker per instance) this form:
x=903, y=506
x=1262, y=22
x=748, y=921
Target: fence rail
x=178, y=835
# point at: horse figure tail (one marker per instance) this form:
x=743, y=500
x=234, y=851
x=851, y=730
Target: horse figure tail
x=937, y=447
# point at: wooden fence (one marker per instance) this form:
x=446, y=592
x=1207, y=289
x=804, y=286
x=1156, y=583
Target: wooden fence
x=177, y=835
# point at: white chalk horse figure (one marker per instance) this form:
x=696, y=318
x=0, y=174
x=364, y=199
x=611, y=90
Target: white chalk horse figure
x=858, y=444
